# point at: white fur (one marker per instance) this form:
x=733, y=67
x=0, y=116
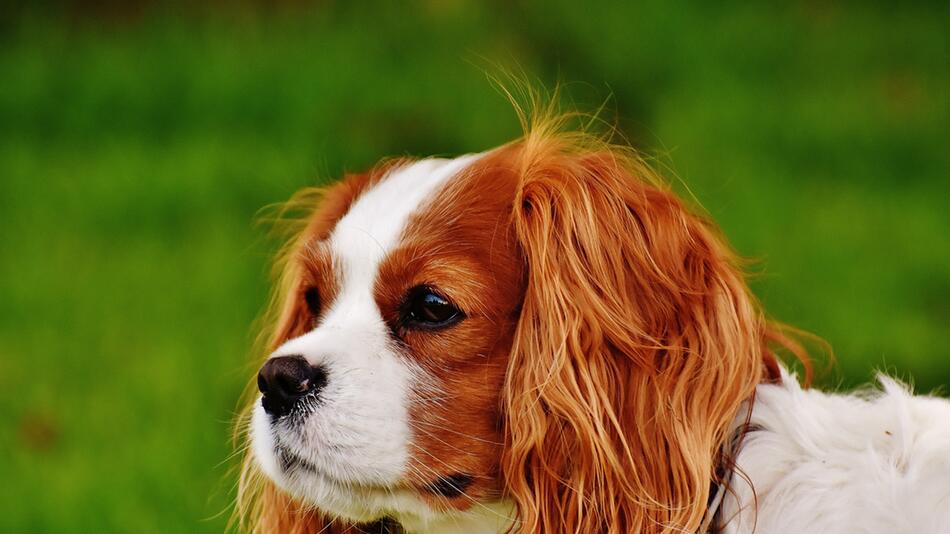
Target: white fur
x=877, y=462
x=356, y=439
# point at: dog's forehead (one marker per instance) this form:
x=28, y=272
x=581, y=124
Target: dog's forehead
x=374, y=224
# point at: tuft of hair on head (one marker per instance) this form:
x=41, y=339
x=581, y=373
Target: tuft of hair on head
x=638, y=342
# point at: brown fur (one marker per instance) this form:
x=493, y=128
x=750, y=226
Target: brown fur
x=637, y=343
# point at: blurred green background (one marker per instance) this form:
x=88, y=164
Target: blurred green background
x=137, y=143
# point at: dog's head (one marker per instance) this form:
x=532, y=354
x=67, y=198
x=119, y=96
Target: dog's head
x=539, y=336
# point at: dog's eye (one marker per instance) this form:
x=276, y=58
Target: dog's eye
x=312, y=297
x=426, y=309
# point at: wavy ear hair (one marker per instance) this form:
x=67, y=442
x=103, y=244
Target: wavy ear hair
x=638, y=340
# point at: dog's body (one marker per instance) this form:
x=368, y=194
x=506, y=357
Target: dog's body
x=542, y=338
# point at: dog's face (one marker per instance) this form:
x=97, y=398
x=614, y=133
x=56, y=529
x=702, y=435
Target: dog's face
x=539, y=331
x=384, y=399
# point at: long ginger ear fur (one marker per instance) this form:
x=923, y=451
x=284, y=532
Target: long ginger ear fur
x=638, y=340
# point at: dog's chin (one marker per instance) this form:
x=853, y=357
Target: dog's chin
x=313, y=483
x=337, y=499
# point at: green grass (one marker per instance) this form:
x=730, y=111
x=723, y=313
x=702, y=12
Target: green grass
x=135, y=152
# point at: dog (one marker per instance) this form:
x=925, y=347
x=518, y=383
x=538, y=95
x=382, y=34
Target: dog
x=543, y=338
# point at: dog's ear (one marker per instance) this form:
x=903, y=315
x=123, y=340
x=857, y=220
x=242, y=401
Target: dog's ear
x=637, y=343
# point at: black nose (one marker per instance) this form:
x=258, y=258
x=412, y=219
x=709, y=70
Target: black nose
x=285, y=379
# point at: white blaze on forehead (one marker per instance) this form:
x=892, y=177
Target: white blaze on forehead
x=372, y=226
